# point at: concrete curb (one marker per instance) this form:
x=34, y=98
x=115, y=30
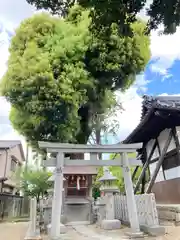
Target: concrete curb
x=154, y=231
x=35, y=236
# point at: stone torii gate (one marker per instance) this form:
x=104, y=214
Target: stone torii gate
x=59, y=162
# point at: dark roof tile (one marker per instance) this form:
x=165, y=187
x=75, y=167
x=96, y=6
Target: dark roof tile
x=155, y=105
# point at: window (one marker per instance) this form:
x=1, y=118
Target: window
x=13, y=164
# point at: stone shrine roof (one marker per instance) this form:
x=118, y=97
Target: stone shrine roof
x=84, y=170
x=107, y=176
x=158, y=113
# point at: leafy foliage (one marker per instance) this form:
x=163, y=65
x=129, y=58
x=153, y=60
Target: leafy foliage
x=32, y=181
x=117, y=171
x=59, y=75
x=97, y=184
x=106, y=123
x=122, y=12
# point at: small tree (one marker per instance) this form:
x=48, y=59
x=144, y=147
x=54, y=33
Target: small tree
x=117, y=171
x=33, y=182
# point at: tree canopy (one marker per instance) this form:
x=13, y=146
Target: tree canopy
x=122, y=12
x=60, y=76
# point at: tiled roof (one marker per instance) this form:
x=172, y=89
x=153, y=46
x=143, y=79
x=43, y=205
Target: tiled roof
x=8, y=143
x=160, y=102
x=154, y=107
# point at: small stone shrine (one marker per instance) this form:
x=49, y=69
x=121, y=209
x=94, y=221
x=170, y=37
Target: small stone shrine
x=77, y=195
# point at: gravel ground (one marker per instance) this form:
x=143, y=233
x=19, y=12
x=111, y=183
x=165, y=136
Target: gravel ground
x=13, y=231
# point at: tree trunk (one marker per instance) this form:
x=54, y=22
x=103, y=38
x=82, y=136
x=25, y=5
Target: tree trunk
x=85, y=130
x=143, y=184
x=98, y=140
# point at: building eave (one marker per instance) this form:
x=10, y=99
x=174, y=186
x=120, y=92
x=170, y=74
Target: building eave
x=156, y=109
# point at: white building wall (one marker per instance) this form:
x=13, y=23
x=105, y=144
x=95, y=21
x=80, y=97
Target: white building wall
x=170, y=173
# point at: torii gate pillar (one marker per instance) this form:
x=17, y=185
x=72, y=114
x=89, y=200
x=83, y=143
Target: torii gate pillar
x=124, y=162
x=57, y=198
x=131, y=201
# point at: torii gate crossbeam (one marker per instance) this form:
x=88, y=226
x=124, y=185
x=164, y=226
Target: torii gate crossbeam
x=60, y=162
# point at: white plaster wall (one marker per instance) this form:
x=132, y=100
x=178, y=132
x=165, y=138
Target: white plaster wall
x=170, y=173
x=149, y=146
x=160, y=176
x=162, y=139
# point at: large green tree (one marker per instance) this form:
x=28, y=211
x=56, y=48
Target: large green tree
x=121, y=12
x=59, y=75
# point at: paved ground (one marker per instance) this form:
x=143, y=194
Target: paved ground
x=93, y=233
x=13, y=231
x=17, y=231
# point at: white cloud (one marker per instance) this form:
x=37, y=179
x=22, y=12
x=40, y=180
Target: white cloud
x=9, y=19
x=4, y=54
x=4, y=106
x=130, y=117
x=15, y=11
x=165, y=49
x=131, y=101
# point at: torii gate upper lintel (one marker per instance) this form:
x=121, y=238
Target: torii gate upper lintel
x=60, y=162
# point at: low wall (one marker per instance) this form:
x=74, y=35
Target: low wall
x=169, y=213
x=167, y=192
x=146, y=208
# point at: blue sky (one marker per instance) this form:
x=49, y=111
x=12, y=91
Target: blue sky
x=161, y=75
x=160, y=83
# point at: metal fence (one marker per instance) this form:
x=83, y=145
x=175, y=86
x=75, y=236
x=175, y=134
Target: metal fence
x=13, y=206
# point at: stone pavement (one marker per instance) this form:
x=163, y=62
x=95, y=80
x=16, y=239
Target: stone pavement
x=17, y=231
x=13, y=231
x=92, y=233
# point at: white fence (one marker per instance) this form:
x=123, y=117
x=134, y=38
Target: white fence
x=146, y=207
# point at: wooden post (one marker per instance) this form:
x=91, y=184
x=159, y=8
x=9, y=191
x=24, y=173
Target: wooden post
x=159, y=163
x=131, y=202
x=176, y=140
x=57, y=197
x=159, y=151
x=144, y=168
x=134, y=172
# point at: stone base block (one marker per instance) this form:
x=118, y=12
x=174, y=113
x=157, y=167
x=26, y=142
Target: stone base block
x=111, y=224
x=154, y=230
x=134, y=235
x=63, y=229
x=63, y=219
x=33, y=236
